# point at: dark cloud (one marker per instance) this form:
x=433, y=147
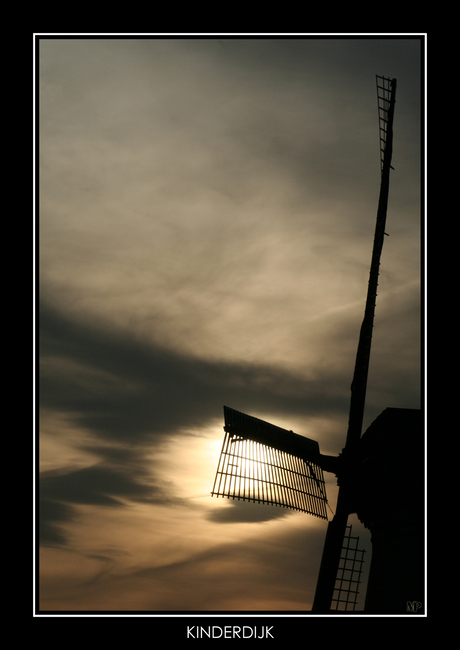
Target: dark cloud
x=121, y=477
x=95, y=485
x=52, y=514
x=130, y=394
x=244, y=511
x=130, y=390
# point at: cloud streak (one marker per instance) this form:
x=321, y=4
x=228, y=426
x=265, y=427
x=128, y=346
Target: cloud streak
x=127, y=388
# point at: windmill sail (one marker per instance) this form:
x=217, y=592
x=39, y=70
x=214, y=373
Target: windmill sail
x=348, y=578
x=264, y=463
x=386, y=91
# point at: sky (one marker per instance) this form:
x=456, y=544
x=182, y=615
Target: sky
x=205, y=218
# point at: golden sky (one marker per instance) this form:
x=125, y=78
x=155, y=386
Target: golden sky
x=206, y=210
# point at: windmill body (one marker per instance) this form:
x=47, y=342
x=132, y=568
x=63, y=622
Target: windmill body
x=379, y=473
x=389, y=465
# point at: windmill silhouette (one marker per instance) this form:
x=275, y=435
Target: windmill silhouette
x=379, y=473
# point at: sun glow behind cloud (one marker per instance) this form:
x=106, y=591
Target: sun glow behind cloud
x=165, y=541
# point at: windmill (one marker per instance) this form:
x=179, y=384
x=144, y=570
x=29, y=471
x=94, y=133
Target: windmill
x=263, y=463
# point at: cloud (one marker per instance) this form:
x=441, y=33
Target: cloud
x=128, y=389
x=96, y=485
x=249, y=571
x=128, y=395
x=52, y=514
x=243, y=511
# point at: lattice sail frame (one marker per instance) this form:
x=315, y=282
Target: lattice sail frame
x=384, y=90
x=349, y=574
x=263, y=463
